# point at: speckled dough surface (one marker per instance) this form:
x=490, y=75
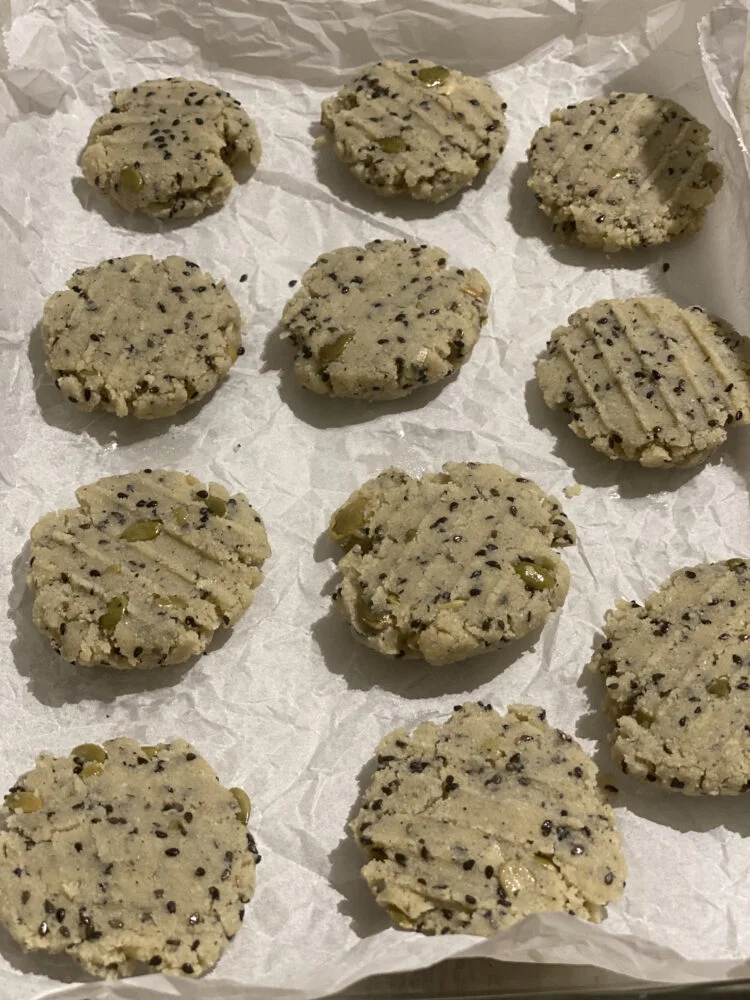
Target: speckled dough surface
x=139, y=336
x=677, y=672
x=623, y=171
x=474, y=824
x=452, y=564
x=642, y=379
x=378, y=321
x=416, y=128
x=145, y=569
x=168, y=147
x=121, y=854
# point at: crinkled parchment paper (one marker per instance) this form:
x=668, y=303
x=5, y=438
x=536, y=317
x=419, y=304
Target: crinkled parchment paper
x=288, y=706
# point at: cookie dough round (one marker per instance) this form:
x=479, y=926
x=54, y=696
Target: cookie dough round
x=644, y=380
x=472, y=825
x=452, y=564
x=677, y=672
x=121, y=854
x=135, y=335
x=145, y=569
x=623, y=171
x=416, y=128
x=168, y=147
x=377, y=322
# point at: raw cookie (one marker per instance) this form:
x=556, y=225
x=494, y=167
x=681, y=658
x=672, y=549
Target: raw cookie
x=642, y=379
x=376, y=322
x=474, y=824
x=121, y=854
x=168, y=147
x=624, y=171
x=139, y=336
x=416, y=128
x=145, y=569
x=678, y=680
x=452, y=564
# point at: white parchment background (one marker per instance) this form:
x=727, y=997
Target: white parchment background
x=288, y=706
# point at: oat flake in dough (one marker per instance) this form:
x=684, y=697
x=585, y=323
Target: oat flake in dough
x=644, y=380
x=135, y=335
x=452, y=564
x=121, y=854
x=145, y=569
x=168, y=147
x=474, y=824
x=677, y=671
x=416, y=128
x=378, y=321
x=623, y=171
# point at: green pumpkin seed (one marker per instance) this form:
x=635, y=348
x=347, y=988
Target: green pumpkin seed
x=91, y=769
x=433, y=76
x=243, y=800
x=391, y=144
x=216, y=505
x=348, y=519
x=719, y=686
x=115, y=610
x=20, y=801
x=141, y=531
x=334, y=350
x=372, y=620
x=535, y=577
x=90, y=751
x=180, y=515
x=131, y=179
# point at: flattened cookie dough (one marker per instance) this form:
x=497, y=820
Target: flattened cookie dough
x=623, y=171
x=377, y=322
x=643, y=380
x=139, y=336
x=487, y=819
x=677, y=672
x=416, y=128
x=452, y=564
x=168, y=147
x=121, y=854
x=145, y=569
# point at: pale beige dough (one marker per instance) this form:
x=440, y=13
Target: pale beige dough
x=472, y=825
x=135, y=335
x=623, y=171
x=644, y=380
x=450, y=565
x=145, y=569
x=377, y=322
x=168, y=147
x=677, y=671
x=120, y=854
x=416, y=128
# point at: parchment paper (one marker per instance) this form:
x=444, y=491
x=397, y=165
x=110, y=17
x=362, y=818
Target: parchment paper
x=287, y=705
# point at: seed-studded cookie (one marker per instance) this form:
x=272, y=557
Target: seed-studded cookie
x=642, y=379
x=121, y=854
x=378, y=321
x=677, y=672
x=474, y=824
x=139, y=336
x=168, y=147
x=416, y=128
x=145, y=569
x=452, y=564
x=623, y=171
